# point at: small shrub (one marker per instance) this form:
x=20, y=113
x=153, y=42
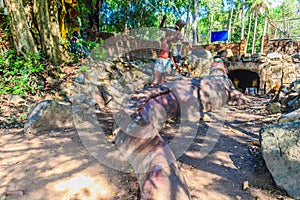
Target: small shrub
x=21, y=74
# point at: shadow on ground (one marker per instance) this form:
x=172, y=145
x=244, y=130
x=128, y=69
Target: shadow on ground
x=234, y=169
x=55, y=165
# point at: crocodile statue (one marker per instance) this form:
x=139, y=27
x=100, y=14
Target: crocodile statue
x=139, y=140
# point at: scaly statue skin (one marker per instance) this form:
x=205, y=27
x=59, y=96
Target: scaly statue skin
x=138, y=139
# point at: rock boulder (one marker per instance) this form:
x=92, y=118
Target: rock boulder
x=48, y=115
x=281, y=151
x=290, y=117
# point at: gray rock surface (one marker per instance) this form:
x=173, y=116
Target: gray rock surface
x=274, y=107
x=48, y=115
x=291, y=100
x=274, y=56
x=290, y=117
x=294, y=104
x=200, y=61
x=296, y=58
x=280, y=145
x=295, y=86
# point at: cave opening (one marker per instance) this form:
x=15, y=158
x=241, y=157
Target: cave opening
x=243, y=79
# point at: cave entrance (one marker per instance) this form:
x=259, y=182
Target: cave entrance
x=243, y=79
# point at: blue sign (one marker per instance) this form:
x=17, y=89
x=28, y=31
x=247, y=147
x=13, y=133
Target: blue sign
x=219, y=36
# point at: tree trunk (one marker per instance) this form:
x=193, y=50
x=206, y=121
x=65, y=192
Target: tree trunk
x=187, y=27
x=283, y=18
x=98, y=15
x=46, y=16
x=22, y=36
x=163, y=21
x=94, y=14
x=264, y=32
x=243, y=22
x=249, y=29
x=254, y=32
x=195, y=22
x=210, y=27
x=230, y=20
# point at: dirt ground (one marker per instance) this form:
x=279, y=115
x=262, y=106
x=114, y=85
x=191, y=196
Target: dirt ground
x=55, y=165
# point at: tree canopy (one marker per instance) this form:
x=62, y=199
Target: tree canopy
x=59, y=31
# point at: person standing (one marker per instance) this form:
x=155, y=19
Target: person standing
x=178, y=37
x=163, y=62
x=175, y=52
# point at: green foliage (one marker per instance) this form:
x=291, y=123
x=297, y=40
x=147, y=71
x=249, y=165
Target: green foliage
x=26, y=74
x=21, y=74
x=84, y=69
x=120, y=15
x=4, y=197
x=286, y=15
x=99, y=53
x=91, y=45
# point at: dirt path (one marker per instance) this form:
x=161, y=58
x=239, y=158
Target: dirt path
x=235, y=161
x=57, y=166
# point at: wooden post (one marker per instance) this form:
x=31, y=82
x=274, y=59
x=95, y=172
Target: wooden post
x=243, y=46
x=266, y=44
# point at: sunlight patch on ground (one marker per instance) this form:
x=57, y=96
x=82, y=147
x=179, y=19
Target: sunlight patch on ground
x=82, y=186
x=51, y=168
x=223, y=159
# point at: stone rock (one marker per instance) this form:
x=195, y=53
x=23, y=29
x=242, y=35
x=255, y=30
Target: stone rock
x=274, y=107
x=291, y=99
x=258, y=55
x=92, y=76
x=287, y=58
x=295, y=86
x=294, y=104
x=78, y=98
x=16, y=100
x=200, y=61
x=79, y=78
x=260, y=59
x=103, y=76
x=227, y=53
x=237, y=98
x=199, y=66
x=288, y=98
x=281, y=151
x=275, y=62
x=274, y=56
x=201, y=53
x=48, y=115
x=290, y=117
x=50, y=80
x=296, y=58
x=246, y=59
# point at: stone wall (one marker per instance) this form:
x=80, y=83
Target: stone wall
x=274, y=69
x=273, y=72
x=285, y=46
x=126, y=45
x=236, y=48
x=220, y=47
